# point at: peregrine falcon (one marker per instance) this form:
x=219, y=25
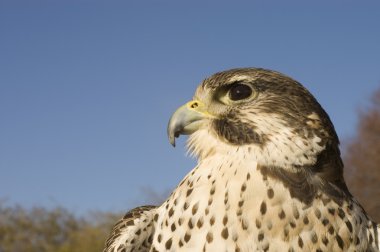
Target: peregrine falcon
x=269, y=176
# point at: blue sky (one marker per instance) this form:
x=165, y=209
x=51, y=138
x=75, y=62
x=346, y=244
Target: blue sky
x=87, y=87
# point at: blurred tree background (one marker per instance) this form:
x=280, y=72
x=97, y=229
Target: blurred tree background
x=59, y=230
x=362, y=159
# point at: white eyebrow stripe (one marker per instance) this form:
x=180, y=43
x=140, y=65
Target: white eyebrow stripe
x=240, y=78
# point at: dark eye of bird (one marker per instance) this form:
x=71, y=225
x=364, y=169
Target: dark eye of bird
x=239, y=92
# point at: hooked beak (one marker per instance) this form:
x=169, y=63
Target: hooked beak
x=186, y=120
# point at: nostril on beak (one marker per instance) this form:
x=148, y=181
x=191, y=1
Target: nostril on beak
x=194, y=105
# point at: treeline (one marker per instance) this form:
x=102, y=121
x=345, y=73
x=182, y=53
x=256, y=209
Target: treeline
x=362, y=158
x=47, y=230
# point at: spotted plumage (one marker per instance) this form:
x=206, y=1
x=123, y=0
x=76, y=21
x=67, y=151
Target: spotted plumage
x=269, y=176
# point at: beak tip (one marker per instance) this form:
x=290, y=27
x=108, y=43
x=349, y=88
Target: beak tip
x=171, y=137
x=172, y=141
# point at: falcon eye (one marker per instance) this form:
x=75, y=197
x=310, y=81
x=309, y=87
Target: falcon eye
x=239, y=92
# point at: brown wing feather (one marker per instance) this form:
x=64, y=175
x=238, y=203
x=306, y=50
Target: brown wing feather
x=133, y=232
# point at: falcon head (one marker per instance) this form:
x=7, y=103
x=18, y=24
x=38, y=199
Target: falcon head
x=265, y=111
x=261, y=115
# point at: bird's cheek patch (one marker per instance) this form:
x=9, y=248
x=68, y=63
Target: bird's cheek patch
x=237, y=133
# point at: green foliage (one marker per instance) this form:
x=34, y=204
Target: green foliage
x=58, y=230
